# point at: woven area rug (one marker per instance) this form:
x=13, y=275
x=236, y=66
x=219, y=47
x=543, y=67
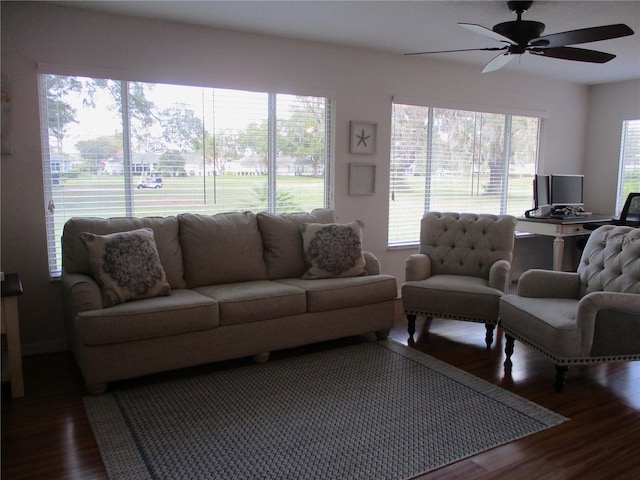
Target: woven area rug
x=377, y=410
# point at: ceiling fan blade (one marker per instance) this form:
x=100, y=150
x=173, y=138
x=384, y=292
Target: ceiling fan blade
x=459, y=50
x=577, y=54
x=584, y=35
x=497, y=63
x=486, y=32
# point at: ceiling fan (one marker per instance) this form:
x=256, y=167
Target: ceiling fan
x=521, y=36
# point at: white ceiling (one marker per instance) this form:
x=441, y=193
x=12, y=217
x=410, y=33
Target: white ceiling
x=399, y=27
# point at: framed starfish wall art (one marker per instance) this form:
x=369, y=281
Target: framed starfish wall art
x=362, y=138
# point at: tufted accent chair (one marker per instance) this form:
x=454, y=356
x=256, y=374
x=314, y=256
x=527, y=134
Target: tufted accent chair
x=461, y=270
x=588, y=316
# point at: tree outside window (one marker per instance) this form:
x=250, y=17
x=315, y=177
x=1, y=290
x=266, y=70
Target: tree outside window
x=456, y=160
x=118, y=148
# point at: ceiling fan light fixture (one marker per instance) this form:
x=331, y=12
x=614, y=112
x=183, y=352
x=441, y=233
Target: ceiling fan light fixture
x=498, y=62
x=539, y=43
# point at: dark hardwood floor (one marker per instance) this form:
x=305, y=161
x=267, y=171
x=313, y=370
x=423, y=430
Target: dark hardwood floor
x=46, y=435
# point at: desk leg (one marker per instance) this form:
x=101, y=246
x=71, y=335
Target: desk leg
x=14, y=351
x=558, y=253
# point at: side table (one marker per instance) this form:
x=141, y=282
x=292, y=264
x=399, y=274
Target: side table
x=12, y=364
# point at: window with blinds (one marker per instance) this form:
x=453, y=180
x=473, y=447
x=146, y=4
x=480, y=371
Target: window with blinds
x=629, y=175
x=116, y=148
x=456, y=160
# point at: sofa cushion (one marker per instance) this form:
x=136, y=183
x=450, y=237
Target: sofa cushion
x=126, y=266
x=553, y=327
x=468, y=296
x=247, y=302
x=333, y=293
x=333, y=250
x=165, y=230
x=223, y=248
x=283, y=251
x=181, y=312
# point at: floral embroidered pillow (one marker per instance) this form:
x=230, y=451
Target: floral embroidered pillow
x=126, y=265
x=333, y=250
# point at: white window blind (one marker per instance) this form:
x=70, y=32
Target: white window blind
x=117, y=148
x=629, y=176
x=457, y=160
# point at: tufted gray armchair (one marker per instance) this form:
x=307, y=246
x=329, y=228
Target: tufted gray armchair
x=461, y=270
x=588, y=316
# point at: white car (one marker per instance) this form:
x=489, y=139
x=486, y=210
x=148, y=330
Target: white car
x=150, y=182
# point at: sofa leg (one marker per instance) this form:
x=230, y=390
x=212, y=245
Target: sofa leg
x=489, y=336
x=561, y=372
x=508, y=349
x=412, y=325
x=96, y=388
x=261, y=357
x=382, y=334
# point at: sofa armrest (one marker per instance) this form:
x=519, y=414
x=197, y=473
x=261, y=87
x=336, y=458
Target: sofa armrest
x=499, y=275
x=372, y=264
x=82, y=293
x=417, y=267
x=616, y=313
x=549, y=284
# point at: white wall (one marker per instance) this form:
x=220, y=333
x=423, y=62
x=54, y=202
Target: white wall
x=361, y=82
x=609, y=106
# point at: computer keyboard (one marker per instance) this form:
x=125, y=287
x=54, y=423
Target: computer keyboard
x=567, y=216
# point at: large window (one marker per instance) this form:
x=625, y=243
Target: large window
x=117, y=148
x=456, y=160
x=629, y=176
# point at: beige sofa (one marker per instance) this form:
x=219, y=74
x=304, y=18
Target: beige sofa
x=230, y=285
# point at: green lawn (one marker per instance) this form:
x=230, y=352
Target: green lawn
x=103, y=196
x=454, y=194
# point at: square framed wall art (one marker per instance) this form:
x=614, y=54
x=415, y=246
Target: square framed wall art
x=362, y=179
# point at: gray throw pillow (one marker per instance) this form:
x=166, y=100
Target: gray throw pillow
x=126, y=265
x=333, y=250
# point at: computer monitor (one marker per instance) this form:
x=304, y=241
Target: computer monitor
x=566, y=190
x=541, y=191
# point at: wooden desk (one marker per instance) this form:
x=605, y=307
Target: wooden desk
x=12, y=365
x=558, y=228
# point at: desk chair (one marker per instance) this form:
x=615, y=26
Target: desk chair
x=630, y=215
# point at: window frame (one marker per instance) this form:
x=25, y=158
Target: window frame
x=630, y=132
x=541, y=117
x=52, y=224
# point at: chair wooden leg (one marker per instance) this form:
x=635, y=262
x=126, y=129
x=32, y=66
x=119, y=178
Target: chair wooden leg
x=508, y=349
x=489, y=336
x=561, y=371
x=412, y=325
x=382, y=334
